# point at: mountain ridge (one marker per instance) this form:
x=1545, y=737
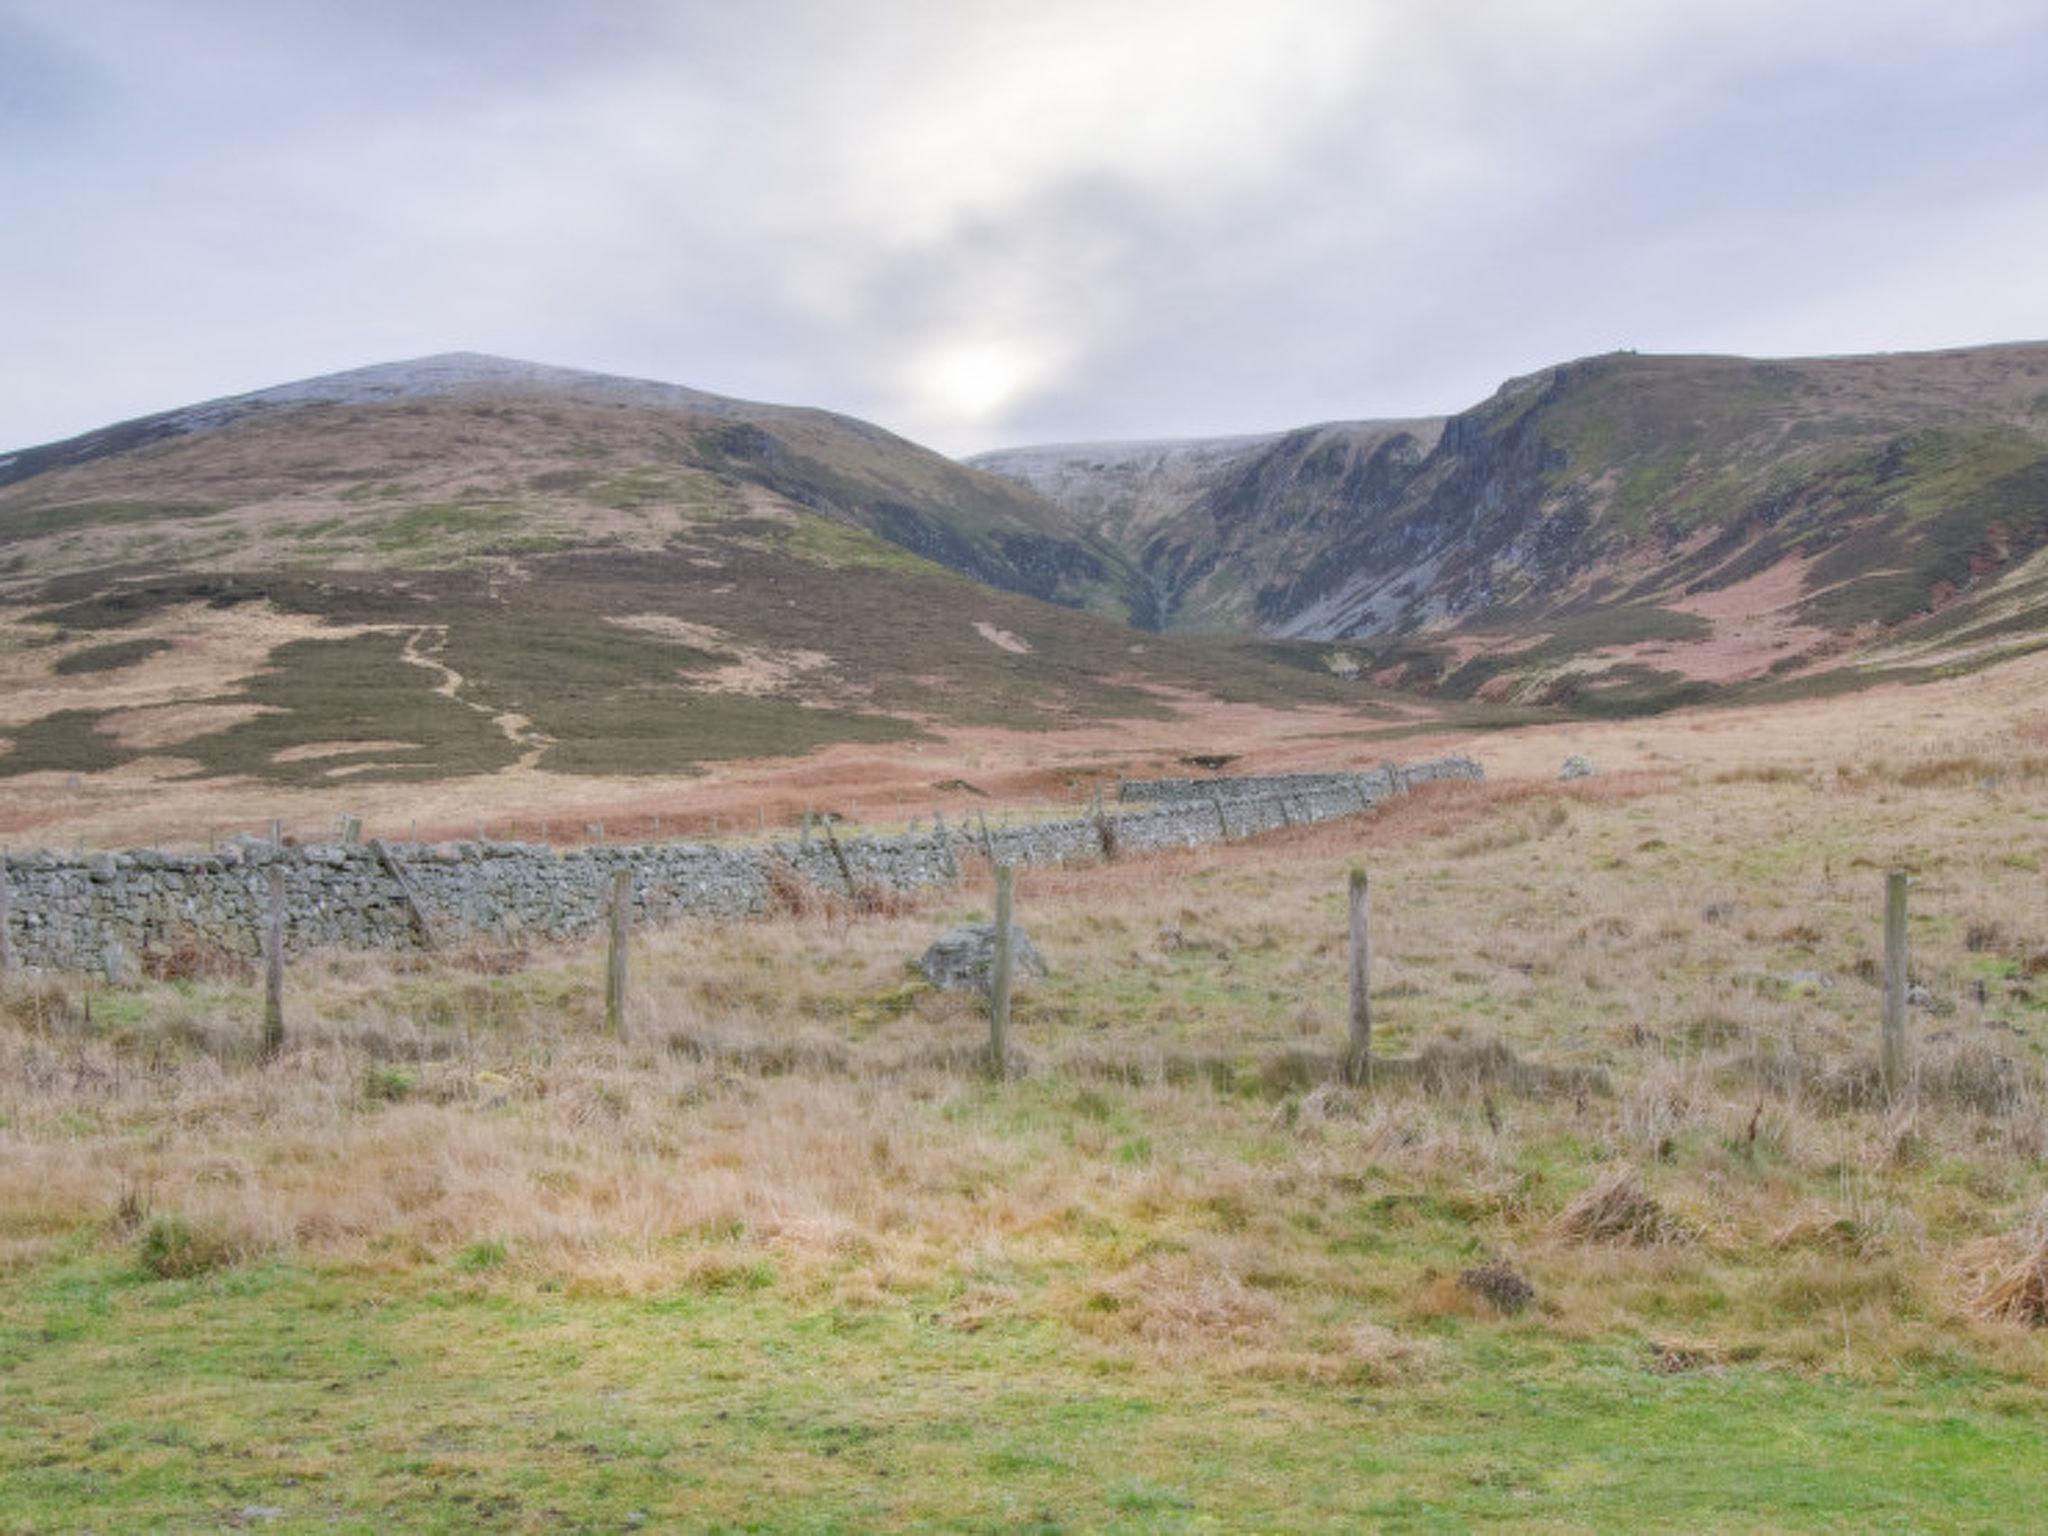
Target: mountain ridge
x=848, y=470
x=1580, y=514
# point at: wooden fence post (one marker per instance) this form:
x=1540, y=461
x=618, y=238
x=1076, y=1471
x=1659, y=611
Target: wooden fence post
x=1892, y=1063
x=838, y=855
x=1358, y=1059
x=615, y=959
x=1222, y=822
x=273, y=967
x=999, y=979
x=1105, y=833
x=424, y=923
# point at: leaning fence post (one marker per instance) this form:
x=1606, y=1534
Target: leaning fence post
x=615, y=958
x=838, y=855
x=1893, y=1061
x=1358, y=1059
x=273, y=967
x=999, y=979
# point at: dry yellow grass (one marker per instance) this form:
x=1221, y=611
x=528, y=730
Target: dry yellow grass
x=456, y=1240
x=1176, y=1175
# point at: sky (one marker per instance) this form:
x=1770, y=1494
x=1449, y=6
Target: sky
x=986, y=224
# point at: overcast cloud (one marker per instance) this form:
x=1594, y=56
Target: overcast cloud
x=982, y=224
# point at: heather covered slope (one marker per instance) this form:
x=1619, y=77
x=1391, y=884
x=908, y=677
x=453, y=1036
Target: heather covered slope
x=460, y=566
x=473, y=458
x=1629, y=531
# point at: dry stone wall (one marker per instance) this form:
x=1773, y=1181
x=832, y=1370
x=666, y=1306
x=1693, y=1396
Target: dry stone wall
x=1390, y=778
x=102, y=912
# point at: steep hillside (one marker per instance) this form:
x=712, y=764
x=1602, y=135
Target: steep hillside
x=462, y=564
x=1215, y=522
x=1627, y=532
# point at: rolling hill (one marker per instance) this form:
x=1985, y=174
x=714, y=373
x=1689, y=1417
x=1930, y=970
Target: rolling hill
x=1619, y=533
x=463, y=563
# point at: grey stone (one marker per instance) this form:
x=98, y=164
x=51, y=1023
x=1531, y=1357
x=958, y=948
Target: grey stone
x=1576, y=767
x=964, y=958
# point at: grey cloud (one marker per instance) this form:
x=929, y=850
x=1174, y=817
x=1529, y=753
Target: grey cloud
x=981, y=224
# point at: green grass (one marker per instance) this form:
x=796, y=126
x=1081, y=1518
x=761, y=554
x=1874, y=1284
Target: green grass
x=466, y=1401
x=443, y=527
x=20, y=526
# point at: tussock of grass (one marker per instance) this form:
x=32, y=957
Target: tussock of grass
x=172, y=1248
x=1467, y=1067
x=2011, y=1274
x=1503, y=1286
x=1618, y=1209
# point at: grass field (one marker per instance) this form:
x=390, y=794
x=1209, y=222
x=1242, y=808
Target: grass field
x=1632, y=1242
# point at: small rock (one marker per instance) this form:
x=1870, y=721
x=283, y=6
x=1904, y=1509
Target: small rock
x=101, y=867
x=1576, y=768
x=1819, y=979
x=964, y=958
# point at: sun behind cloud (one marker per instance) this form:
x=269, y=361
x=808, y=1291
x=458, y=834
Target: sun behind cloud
x=971, y=380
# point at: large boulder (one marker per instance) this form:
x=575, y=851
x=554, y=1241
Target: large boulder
x=964, y=958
